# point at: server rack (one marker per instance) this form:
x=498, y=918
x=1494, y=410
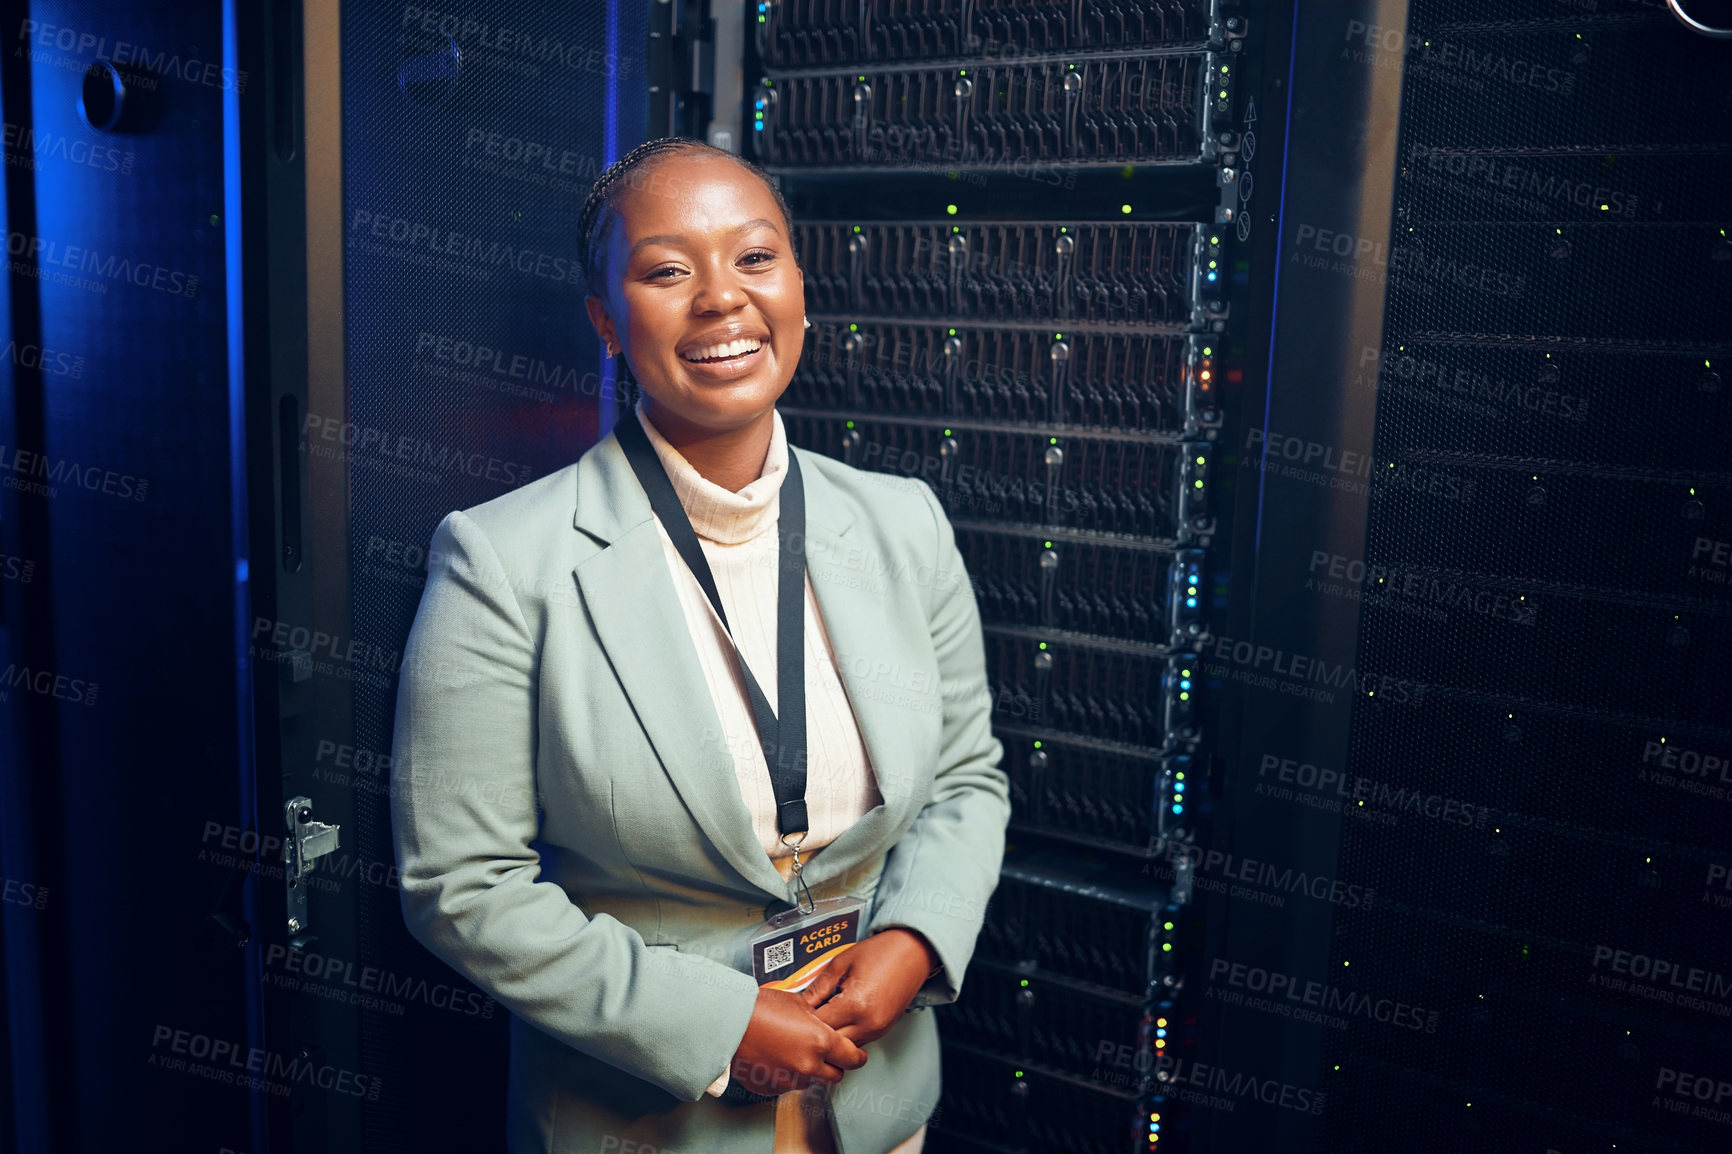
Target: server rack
x=1048, y=360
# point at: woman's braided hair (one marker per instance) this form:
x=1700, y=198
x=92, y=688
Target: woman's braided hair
x=593, y=221
x=598, y=213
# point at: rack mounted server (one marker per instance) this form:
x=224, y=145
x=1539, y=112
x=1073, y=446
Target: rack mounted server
x=1054, y=380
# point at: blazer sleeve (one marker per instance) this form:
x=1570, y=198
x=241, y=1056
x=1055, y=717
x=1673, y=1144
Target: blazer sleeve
x=464, y=816
x=939, y=875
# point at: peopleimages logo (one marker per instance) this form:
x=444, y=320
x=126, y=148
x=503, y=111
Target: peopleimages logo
x=1321, y=996
x=1406, y=263
x=479, y=254
x=1500, y=175
x=44, y=38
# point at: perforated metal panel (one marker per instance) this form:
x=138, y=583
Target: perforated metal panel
x=1543, y=819
x=472, y=134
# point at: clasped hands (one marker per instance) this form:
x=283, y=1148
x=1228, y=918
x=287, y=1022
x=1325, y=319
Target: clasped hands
x=815, y=1035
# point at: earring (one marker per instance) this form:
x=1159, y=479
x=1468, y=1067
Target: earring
x=808, y=322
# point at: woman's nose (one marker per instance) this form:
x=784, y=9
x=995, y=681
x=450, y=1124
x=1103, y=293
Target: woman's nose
x=718, y=290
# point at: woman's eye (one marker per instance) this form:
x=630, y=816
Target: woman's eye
x=658, y=274
x=758, y=257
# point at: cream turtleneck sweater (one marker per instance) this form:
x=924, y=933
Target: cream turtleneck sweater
x=737, y=534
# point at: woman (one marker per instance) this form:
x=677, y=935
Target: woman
x=598, y=803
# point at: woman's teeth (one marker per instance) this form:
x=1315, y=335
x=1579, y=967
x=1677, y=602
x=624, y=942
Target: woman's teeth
x=730, y=349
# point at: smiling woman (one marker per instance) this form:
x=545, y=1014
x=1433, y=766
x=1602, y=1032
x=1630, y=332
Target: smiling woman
x=693, y=279
x=673, y=824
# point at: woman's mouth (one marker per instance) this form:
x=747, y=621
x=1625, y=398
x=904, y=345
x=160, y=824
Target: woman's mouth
x=726, y=354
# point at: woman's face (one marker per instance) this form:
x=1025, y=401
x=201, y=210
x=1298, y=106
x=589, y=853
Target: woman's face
x=703, y=295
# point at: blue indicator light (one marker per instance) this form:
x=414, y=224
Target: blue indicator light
x=1179, y=787
x=1190, y=603
x=1184, y=685
x=1211, y=276
x=1178, y=809
x=758, y=127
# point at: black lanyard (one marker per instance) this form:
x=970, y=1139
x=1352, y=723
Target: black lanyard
x=784, y=738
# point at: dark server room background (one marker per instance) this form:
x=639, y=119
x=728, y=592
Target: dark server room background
x=1328, y=396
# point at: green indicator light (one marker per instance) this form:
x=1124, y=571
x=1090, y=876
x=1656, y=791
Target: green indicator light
x=862, y=78
x=1049, y=544
x=1019, y=1073
x=964, y=72
x=952, y=332
x=1200, y=460
x=1043, y=645
x=1207, y=351
x=1184, y=673
x=1124, y=208
x=1214, y=240
x=850, y=424
x=947, y=432
x=1223, y=68
x=1722, y=231
x=1025, y=981
x=1166, y=947
x=1223, y=94
x=1179, y=776
x=856, y=228
x=1037, y=745
x=1184, y=697
x=853, y=328
x=951, y=209
x=956, y=228
x=1167, y=925
x=1052, y=440
x=1211, y=264
x=1058, y=336
x=1196, y=484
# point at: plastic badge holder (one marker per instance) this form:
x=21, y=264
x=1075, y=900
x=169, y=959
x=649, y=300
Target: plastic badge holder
x=791, y=948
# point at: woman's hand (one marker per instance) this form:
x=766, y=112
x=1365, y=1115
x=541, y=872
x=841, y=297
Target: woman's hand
x=877, y=979
x=786, y=1046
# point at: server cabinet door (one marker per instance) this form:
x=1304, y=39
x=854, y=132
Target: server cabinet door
x=447, y=359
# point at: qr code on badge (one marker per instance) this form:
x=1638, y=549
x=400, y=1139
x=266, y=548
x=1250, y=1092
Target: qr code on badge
x=779, y=955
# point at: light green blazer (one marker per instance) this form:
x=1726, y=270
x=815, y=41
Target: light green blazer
x=571, y=834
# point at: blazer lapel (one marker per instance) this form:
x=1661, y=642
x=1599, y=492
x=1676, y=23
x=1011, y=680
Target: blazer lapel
x=629, y=592
x=875, y=658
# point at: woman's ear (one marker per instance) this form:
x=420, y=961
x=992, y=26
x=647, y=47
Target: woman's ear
x=603, y=325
